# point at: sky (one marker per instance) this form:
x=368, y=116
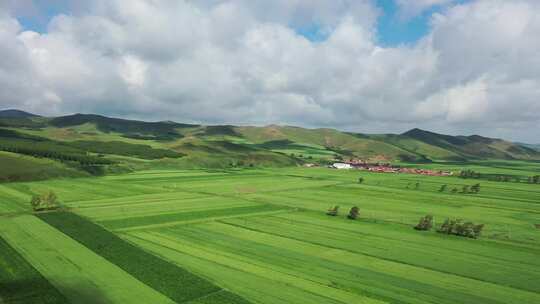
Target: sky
x=373, y=66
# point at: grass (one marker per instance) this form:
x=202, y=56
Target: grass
x=186, y=216
x=22, y=283
x=319, y=269
x=262, y=234
x=173, y=282
x=78, y=273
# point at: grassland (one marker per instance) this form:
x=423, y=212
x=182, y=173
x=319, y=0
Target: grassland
x=173, y=282
x=262, y=235
x=22, y=283
x=78, y=273
x=86, y=144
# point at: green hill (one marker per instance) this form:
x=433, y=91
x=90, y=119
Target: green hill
x=474, y=146
x=532, y=146
x=92, y=144
x=12, y=113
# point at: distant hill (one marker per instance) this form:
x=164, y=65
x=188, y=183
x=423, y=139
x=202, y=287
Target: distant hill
x=11, y=113
x=94, y=144
x=474, y=146
x=129, y=128
x=532, y=146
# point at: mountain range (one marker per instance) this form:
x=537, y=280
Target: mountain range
x=123, y=144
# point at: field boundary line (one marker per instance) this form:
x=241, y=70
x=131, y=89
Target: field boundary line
x=210, y=219
x=166, y=237
x=304, y=222
x=377, y=257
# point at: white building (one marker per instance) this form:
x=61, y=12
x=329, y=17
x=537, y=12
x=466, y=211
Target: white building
x=341, y=166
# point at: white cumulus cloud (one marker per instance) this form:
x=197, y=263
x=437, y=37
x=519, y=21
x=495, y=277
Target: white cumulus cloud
x=239, y=61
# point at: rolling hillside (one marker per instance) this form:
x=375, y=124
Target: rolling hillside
x=474, y=146
x=532, y=146
x=12, y=113
x=83, y=144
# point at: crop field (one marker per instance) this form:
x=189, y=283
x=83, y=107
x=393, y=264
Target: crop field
x=254, y=235
x=22, y=283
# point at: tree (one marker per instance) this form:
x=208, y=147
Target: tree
x=35, y=202
x=48, y=201
x=354, y=213
x=333, y=211
x=360, y=180
x=475, y=188
x=478, y=230
x=425, y=223
x=443, y=188
x=445, y=227
x=536, y=179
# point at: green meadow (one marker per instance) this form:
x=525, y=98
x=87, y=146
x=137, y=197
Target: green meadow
x=261, y=235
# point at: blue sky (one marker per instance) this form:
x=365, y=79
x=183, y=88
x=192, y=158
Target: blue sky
x=391, y=29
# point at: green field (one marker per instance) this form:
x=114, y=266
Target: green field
x=262, y=236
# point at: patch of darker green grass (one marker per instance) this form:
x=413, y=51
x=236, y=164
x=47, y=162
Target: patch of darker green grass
x=172, y=281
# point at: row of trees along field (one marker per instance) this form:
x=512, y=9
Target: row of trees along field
x=451, y=226
x=354, y=213
x=464, y=189
x=499, y=177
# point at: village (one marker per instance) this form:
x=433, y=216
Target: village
x=379, y=167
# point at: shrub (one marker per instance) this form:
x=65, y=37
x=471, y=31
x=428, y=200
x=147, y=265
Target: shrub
x=425, y=223
x=333, y=211
x=443, y=188
x=360, y=180
x=354, y=213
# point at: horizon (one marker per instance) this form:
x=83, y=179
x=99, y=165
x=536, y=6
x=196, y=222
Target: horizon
x=370, y=66
x=272, y=124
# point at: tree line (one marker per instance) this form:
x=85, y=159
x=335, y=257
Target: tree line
x=474, y=189
x=451, y=226
x=499, y=177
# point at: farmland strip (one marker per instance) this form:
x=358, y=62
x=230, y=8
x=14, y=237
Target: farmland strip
x=185, y=216
x=82, y=276
x=22, y=283
x=177, y=283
